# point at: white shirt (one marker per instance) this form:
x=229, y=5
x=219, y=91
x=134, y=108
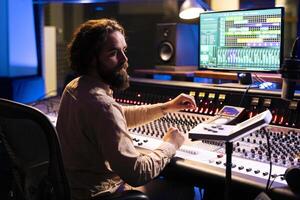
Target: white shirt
x=96, y=146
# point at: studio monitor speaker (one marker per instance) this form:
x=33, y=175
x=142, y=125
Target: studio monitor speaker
x=177, y=46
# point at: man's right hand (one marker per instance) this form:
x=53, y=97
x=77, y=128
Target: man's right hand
x=174, y=136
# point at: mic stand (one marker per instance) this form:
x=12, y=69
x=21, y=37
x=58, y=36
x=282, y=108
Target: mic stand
x=228, y=151
x=290, y=73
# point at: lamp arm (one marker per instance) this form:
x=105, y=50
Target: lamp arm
x=204, y=5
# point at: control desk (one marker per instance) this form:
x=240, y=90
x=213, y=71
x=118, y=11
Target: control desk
x=203, y=161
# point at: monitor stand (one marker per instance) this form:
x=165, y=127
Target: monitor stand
x=245, y=81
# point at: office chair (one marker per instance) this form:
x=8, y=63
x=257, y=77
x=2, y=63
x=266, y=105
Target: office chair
x=35, y=160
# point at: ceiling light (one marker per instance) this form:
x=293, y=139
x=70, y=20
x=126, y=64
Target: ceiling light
x=190, y=9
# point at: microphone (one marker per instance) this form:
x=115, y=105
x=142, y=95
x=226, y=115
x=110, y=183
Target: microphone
x=290, y=72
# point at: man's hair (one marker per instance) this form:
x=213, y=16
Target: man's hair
x=88, y=41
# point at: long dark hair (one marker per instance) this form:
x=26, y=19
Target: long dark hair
x=87, y=42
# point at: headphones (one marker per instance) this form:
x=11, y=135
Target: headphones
x=292, y=177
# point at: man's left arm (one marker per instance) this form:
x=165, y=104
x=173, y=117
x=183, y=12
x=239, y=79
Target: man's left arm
x=138, y=115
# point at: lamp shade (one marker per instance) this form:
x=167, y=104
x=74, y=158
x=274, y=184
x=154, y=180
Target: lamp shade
x=190, y=9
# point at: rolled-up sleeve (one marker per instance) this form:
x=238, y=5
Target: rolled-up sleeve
x=138, y=115
x=117, y=147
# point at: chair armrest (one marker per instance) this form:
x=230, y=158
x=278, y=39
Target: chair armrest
x=125, y=195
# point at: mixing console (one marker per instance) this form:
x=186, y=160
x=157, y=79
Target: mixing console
x=250, y=157
x=285, y=146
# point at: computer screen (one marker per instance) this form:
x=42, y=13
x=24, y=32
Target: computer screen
x=242, y=40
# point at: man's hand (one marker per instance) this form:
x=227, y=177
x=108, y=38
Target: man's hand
x=175, y=137
x=181, y=102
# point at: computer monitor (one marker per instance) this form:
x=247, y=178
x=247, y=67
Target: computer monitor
x=242, y=40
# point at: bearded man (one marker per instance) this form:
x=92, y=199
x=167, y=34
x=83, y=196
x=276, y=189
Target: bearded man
x=98, y=152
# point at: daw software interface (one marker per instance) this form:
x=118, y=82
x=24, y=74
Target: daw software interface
x=243, y=40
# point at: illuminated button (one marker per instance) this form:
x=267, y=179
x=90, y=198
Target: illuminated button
x=222, y=96
x=206, y=110
x=216, y=111
x=192, y=93
x=281, y=120
x=201, y=94
x=211, y=95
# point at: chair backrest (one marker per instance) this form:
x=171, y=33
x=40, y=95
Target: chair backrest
x=34, y=152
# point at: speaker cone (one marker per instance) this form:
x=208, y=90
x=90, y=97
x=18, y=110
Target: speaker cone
x=165, y=51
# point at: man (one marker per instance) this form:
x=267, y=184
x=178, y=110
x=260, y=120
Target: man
x=98, y=152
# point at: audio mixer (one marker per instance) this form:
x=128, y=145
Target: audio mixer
x=250, y=153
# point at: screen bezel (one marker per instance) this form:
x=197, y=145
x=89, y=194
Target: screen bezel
x=241, y=70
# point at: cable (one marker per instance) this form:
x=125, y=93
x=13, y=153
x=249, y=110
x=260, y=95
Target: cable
x=242, y=99
x=270, y=157
x=274, y=180
x=259, y=78
x=263, y=84
x=294, y=48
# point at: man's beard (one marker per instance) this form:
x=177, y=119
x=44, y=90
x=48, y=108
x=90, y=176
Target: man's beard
x=117, y=78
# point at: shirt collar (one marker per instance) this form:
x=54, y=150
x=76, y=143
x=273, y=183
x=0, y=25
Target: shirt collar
x=99, y=84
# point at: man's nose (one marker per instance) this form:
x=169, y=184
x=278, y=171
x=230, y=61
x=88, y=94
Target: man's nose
x=123, y=57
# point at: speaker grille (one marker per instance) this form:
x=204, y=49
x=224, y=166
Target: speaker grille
x=166, y=51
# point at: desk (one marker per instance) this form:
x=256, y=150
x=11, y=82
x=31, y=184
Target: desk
x=207, y=74
x=176, y=75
